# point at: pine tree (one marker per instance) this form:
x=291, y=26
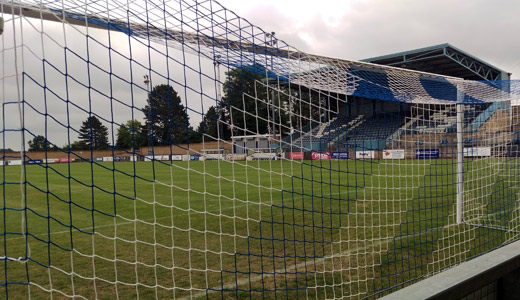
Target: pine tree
x=38, y=144
x=93, y=134
x=166, y=119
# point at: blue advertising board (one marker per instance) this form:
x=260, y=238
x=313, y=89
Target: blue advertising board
x=99, y=158
x=195, y=157
x=340, y=155
x=427, y=154
x=35, y=162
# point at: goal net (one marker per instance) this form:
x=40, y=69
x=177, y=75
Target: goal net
x=171, y=149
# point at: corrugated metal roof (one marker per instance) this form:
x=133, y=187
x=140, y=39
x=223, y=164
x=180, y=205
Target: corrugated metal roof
x=443, y=59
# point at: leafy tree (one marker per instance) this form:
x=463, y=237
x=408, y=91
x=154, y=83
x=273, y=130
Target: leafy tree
x=93, y=134
x=248, y=104
x=37, y=144
x=130, y=135
x=194, y=136
x=166, y=118
x=209, y=126
x=76, y=145
x=303, y=108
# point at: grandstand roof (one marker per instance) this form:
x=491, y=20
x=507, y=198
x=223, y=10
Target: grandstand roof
x=443, y=59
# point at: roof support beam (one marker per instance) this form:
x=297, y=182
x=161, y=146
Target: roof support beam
x=483, y=71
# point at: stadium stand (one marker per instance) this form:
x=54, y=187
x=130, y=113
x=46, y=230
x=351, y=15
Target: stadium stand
x=373, y=132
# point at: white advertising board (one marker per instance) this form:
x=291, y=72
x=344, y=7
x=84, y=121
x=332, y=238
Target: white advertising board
x=365, y=154
x=477, y=152
x=156, y=157
x=176, y=157
x=133, y=158
x=393, y=154
x=262, y=156
x=1, y=162
x=15, y=162
x=108, y=158
x=236, y=157
x=186, y=157
x=210, y=156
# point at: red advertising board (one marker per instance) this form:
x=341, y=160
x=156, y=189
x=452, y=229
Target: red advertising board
x=296, y=155
x=64, y=160
x=320, y=156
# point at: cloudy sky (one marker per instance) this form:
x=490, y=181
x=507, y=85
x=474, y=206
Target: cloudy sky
x=358, y=29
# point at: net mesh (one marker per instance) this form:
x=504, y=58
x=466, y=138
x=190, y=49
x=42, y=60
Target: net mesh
x=171, y=149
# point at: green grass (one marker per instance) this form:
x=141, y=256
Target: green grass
x=324, y=229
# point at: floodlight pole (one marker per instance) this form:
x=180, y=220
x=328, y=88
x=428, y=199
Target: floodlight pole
x=460, y=157
x=146, y=80
x=216, y=65
x=272, y=43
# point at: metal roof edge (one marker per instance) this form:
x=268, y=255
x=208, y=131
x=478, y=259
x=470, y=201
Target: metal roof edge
x=386, y=56
x=430, y=48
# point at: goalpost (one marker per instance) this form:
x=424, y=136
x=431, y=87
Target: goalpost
x=369, y=177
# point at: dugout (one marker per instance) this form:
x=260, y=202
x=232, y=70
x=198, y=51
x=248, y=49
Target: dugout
x=257, y=143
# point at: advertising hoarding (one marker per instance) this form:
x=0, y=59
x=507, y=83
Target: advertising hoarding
x=296, y=155
x=340, y=155
x=427, y=153
x=320, y=156
x=477, y=152
x=369, y=154
x=393, y=154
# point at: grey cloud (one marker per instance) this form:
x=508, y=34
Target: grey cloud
x=486, y=29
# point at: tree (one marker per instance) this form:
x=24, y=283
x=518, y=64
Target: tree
x=76, y=145
x=37, y=144
x=166, y=119
x=194, y=136
x=248, y=105
x=209, y=125
x=130, y=135
x=93, y=134
x=304, y=108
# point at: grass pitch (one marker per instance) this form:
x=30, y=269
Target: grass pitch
x=218, y=229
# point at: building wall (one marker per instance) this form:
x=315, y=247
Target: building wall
x=191, y=149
